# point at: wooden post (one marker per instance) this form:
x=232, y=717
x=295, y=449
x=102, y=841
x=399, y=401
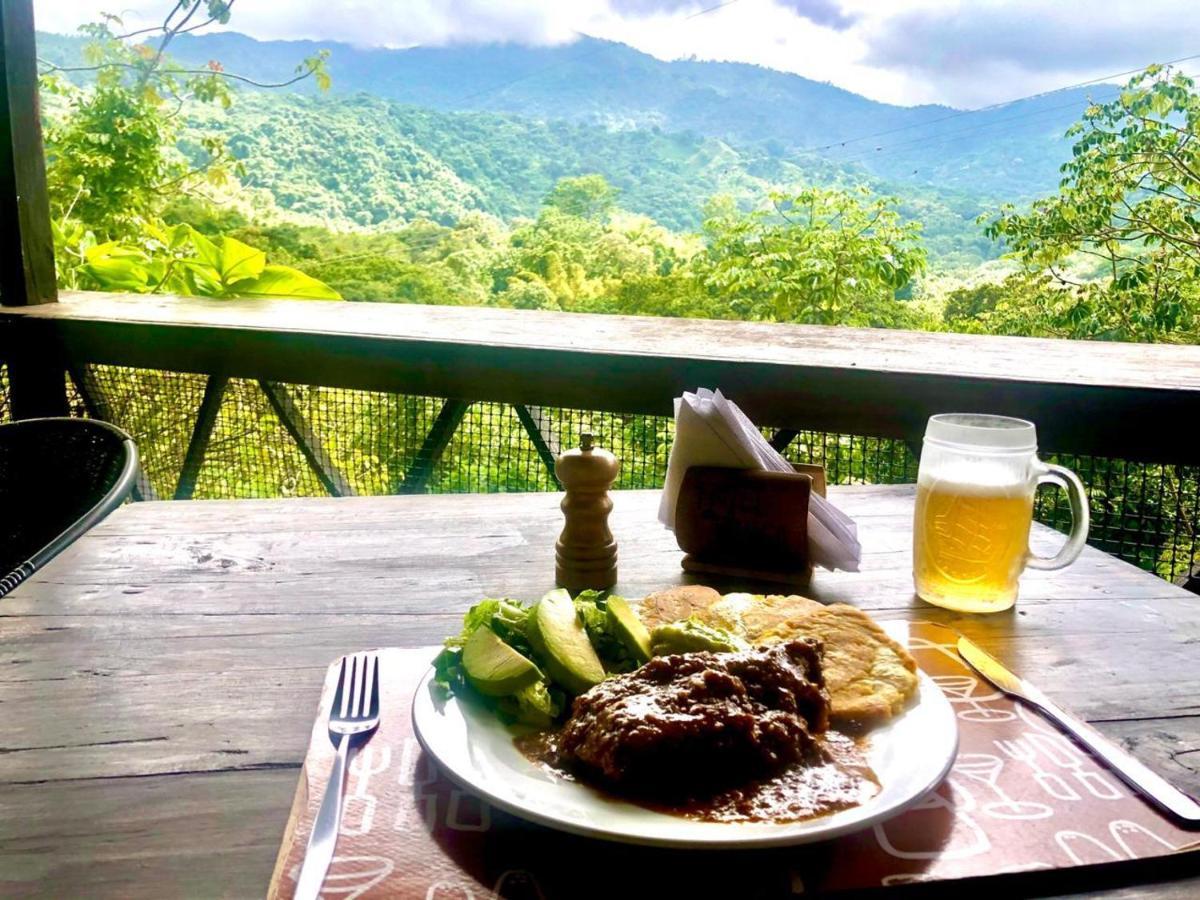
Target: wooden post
x=36, y=375
x=206, y=419
x=435, y=444
x=331, y=477
x=782, y=438
x=545, y=441
x=27, y=251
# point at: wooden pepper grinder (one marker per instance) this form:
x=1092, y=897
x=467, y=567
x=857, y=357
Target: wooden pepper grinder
x=586, y=554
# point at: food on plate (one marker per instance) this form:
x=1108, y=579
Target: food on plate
x=625, y=624
x=753, y=615
x=561, y=640
x=493, y=667
x=725, y=737
x=869, y=676
x=693, y=723
x=675, y=604
x=537, y=705
x=691, y=636
x=572, y=643
x=725, y=708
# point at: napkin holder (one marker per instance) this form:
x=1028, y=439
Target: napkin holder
x=747, y=523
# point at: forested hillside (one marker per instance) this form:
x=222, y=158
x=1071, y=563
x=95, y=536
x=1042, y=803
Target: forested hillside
x=1012, y=151
x=362, y=161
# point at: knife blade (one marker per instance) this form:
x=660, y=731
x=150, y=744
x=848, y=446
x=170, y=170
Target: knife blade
x=1146, y=782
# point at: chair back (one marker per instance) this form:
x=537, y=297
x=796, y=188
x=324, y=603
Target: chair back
x=58, y=478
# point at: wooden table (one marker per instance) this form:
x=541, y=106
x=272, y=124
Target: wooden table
x=158, y=679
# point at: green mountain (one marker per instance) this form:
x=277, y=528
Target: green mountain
x=440, y=132
x=363, y=161
x=1012, y=151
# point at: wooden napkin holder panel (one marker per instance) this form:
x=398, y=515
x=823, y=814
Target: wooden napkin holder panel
x=747, y=523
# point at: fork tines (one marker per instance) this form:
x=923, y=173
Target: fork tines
x=357, y=695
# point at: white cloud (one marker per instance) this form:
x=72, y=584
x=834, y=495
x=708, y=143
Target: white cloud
x=985, y=50
x=364, y=22
x=899, y=51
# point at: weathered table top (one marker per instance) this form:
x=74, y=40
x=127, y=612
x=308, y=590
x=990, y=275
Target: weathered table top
x=158, y=679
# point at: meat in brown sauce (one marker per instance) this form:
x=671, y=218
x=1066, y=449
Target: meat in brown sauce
x=692, y=725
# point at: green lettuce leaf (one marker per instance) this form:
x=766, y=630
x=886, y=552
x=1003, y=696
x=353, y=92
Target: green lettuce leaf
x=592, y=609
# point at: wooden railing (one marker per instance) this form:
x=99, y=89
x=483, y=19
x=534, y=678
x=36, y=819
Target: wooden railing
x=1131, y=401
x=1120, y=401
x=1124, y=409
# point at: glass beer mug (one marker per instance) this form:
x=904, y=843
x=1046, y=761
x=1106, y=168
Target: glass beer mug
x=975, y=491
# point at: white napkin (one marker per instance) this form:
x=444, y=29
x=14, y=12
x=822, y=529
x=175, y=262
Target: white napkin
x=710, y=430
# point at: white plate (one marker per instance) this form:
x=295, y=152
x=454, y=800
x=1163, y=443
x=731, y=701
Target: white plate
x=911, y=755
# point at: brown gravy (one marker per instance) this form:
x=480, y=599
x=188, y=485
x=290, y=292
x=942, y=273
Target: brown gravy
x=795, y=794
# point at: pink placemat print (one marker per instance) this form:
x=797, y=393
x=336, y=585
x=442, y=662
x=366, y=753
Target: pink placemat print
x=1020, y=797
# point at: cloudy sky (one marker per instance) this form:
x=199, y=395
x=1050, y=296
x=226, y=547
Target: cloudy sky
x=965, y=53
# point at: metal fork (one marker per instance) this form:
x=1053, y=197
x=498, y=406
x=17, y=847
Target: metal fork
x=354, y=714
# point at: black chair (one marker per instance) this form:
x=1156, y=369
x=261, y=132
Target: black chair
x=58, y=478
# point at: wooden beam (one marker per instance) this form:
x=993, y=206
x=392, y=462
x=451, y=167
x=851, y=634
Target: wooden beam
x=434, y=445
x=544, y=440
x=37, y=387
x=97, y=406
x=782, y=438
x=1091, y=397
x=306, y=439
x=37, y=383
x=27, y=249
x=206, y=418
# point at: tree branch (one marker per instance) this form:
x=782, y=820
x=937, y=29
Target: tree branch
x=207, y=22
x=160, y=28
x=1184, y=167
x=168, y=34
x=52, y=67
x=1062, y=279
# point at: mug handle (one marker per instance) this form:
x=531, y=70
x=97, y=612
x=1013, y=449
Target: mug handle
x=1048, y=473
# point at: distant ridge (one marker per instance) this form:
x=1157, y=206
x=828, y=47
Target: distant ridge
x=1013, y=151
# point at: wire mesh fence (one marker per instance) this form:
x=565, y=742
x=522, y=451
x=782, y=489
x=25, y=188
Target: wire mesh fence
x=5, y=409
x=382, y=443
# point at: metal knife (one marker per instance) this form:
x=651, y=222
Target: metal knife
x=1132, y=772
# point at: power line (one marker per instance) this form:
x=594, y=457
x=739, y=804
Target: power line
x=940, y=139
x=945, y=137
x=705, y=12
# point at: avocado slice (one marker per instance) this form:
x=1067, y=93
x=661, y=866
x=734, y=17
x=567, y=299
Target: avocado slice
x=692, y=636
x=625, y=624
x=493, y=667
x=562, y=643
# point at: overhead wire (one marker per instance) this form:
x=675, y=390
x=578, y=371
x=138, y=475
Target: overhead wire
x=916, y=144
x=948, y=137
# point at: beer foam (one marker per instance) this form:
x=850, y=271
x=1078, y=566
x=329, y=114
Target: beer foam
x=975, y=479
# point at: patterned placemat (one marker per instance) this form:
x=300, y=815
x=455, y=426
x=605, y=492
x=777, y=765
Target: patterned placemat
x=1021, y=797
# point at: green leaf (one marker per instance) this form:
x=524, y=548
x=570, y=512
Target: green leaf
x=206, y=251
x=284, y=281
x=117, y=268
x=240, y=262
x=202, y=279
x=178, y=236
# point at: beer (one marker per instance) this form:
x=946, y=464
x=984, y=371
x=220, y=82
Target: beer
x=975, y=489
x=970, y=541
